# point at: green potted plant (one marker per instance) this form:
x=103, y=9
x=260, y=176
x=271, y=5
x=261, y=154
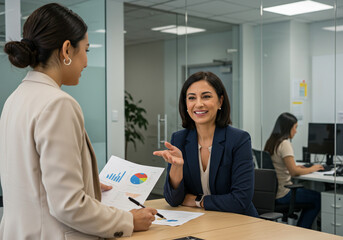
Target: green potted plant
x=134, y=121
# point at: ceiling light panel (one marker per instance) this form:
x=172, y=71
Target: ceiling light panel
x=182, y=30
x=298, y=8
x=339, y=28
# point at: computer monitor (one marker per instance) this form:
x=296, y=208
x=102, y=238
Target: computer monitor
x=339, y=139
x=321, y=140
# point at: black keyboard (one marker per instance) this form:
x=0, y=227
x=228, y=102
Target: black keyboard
x=326, y=168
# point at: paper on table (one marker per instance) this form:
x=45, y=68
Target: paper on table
x=175, y=218
x=127, y=180
x=326, y=173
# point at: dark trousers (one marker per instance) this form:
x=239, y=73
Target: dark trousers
x=304, y=195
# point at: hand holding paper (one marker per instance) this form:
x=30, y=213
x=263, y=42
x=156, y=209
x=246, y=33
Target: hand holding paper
x=127, y=180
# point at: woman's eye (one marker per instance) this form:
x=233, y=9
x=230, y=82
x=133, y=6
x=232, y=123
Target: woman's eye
x=191, y=98
x=207, y=96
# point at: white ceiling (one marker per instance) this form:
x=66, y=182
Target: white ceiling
x=213, y=15
x=235, y=11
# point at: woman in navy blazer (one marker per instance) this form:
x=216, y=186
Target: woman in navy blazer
x=210, y=162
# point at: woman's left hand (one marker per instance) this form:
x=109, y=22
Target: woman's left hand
x=104, y=187
x=189, y=200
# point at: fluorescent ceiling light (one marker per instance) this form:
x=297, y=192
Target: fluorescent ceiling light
x=163, y=28
x=338, y=28
x=92, y=45
x=100, y=31
x=298, y=8
x=179, y=30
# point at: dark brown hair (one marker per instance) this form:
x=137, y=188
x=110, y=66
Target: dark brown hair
x=281, y=131
x=45, y=30
x=223, y=115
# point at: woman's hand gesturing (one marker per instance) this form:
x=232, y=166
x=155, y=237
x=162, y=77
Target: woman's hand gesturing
x=173, y=155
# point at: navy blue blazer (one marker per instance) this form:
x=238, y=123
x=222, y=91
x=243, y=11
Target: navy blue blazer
x=231, y=177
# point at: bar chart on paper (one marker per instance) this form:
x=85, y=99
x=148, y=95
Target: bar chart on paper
x=116, y=177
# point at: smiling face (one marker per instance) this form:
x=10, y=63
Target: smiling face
x=202, y=103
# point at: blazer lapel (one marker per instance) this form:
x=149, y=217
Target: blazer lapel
x=96, y=181
x=192, y=157
x=216, y=155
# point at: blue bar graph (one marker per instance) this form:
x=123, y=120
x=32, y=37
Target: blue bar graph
x=115, y=177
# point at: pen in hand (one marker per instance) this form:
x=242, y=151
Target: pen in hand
x=141, y=205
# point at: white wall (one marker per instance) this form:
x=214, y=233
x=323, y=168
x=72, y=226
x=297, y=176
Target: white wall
x=282, y=57
x=115, y=77
x=327, y=73
x=275, y=74
x=300, y=66
x=251, y=85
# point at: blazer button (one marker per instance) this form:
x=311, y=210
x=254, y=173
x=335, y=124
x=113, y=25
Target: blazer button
x=118, y=234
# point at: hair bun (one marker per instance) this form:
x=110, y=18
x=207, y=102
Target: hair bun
x=21, y=54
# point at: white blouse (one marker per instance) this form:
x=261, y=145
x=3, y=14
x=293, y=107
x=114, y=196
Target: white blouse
x=204, y=175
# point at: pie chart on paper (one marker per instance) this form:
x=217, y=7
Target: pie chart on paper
x=138, y=178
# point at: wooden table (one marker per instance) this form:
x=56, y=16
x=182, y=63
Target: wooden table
x=220, y=225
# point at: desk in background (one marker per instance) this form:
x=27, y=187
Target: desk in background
x=220, y=225
x=331, y=205
x=320, y=178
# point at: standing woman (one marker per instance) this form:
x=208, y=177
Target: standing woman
x=48, y=169
x=280, y=148
x=210, y=163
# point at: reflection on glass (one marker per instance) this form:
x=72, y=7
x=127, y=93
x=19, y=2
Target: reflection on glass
x=299, y=58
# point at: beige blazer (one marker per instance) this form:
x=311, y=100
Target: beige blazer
x=48, y=169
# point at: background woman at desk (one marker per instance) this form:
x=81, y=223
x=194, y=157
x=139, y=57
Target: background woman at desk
x=210, y=162
x=48, y=169
x=279, y=147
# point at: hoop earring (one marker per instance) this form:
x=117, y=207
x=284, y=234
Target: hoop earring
x=67, y=63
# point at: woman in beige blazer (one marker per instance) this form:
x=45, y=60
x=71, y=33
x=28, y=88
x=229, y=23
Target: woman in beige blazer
x=49, y=175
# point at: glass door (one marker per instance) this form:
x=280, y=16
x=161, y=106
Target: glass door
x=151, y=83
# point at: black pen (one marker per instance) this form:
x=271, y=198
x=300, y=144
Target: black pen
x=141, y=205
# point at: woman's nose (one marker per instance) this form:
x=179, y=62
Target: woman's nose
x=199, y=102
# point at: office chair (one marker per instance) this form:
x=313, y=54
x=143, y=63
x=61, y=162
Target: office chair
x=266, y=162
x=264, y=194
x=265, y=190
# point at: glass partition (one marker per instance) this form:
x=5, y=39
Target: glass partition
x=91, y=92
x=299, y=75
x=152, y=57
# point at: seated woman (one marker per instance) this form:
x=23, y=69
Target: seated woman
x=279, y=147
x=210, y=162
